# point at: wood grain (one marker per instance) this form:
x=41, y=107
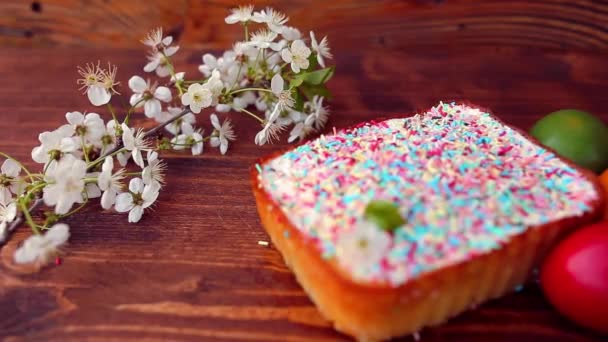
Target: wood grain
x=192, y=269
x=363, y=24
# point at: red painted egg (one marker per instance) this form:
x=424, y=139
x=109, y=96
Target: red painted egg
x=575, y=277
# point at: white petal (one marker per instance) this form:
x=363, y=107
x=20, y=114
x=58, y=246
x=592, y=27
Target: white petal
x=215, y=122
x=295, y=67
x=286, y=55
x=210, y=60
x=74, y=118
x=136, y=185
x=149, y=195
x=30, y=250
x=224, y=146
x=152, y=156
x=167, y=40
x=162, y=71
x=123, y=158
x=135, y=100
x=215, y=141
x=68, y=145
x=137, y=84
x=187, y=129
x=197, y=149
x=276, y=84
x=50, y=195
x=58, y=234
x=138, y=158
x=108, y=165
x=124, y=202
x=163, y=94
x=64, y=204
x=321, y=60
x=135, y=214
x=5, y=195
x=10, y=168
x=152, y=108
x=98, y=95
x=223, y=108
x=108, y=199
x=171, y=50
x=92, y=190
x=152, y=65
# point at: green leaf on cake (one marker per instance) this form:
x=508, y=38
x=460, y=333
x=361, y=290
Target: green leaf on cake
x=384, y=214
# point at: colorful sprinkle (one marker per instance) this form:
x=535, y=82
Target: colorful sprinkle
x=464, y=182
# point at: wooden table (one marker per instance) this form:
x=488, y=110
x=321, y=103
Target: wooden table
x=193, y=269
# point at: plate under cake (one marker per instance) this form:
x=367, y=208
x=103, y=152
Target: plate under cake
x=482, y=202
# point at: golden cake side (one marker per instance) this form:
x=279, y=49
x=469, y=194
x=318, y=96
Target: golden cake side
x=370, y=312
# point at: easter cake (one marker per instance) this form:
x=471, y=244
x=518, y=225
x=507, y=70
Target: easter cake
x=481, y=205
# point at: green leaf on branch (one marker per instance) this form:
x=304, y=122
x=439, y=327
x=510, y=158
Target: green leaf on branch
x=296, y=82
x=318, y=77
x=312, y=61
x=299, y=101
x=311, y=90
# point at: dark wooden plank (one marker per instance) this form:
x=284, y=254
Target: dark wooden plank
x=193, y=270
x=411, y=24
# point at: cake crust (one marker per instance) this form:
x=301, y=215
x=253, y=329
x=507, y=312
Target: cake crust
x=375, y=311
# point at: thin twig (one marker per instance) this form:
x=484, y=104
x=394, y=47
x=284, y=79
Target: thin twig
x=161, y=126
x=38, y=202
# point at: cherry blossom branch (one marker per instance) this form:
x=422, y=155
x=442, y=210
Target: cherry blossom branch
x=38, y=202
x=166, y=123
x=19, y=220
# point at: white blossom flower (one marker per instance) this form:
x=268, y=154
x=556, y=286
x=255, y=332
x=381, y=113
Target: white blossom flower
x=41, y=248
x=110, y=183
x=201, y=96
x=157, y=62
x=136, y=142
x=197, y=97
x=8, y=213
x=139, y=197
x=245, y=100
x=215, y=85
x=154, y=39
x=223, y=64
x=318, y=113
x=269, y=133
x=176, y=126
x=300, y=131
x=189, y=138
x=178, y=77
x=221, y=133
x=262, y=39
x=321, y=49
x=284, y=99
x=9, y=180
x=108, y=139
x=274, y=19
x=363, y=247
x=161, y=50
x=291, y=33
x=241, y=14
x=113, y=131
x=148, y=95
x=89, y=127
x=98, y=83
x=238, y=102
x=91, y=190
x=66, y=183
x=54, y=145
x=154, y=172
x=297, y=55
